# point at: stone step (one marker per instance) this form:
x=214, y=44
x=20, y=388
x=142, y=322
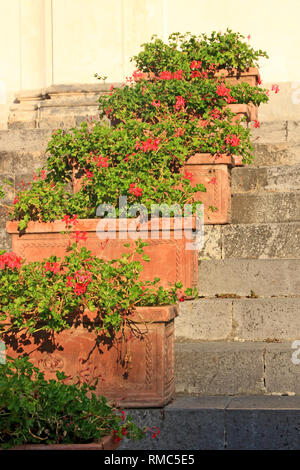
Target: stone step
x=265, y=277
x=276, y=131
x=263, y=241
x=276, y=153
x=251, y=241
x=26, y=140
x=271, y=179
x=22, y=164
x=239, y=319
x=218, y=423
x=61, y=106
x=237, y=368
x=267, y=207
x=22, y=152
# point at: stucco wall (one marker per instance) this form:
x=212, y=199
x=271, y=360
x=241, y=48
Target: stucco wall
x=44, y=42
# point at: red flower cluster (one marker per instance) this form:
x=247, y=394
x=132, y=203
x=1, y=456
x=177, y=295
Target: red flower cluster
x=101, y=161
x=233, y=140
x=137, y=75
x=126, y=159
x=215, y=113
x=165, y=75
x=149, y=144
x=135, y=190
x=108, y=111
x=70, y=220
x=79, y=236
x=196, y=64
x=79, y=282
x=52, y=267
x=156, y=104
x=222, y=90
x=197, y=74
x=42, y=174
x=10, y=260
x=155, y=432
x=204, y=123
x=178, y=132
x=275, y=88
x=116, y=438
x=256, y=124
x=178, y=75
x=188, y=175
x=180, y=102
x=89, y=174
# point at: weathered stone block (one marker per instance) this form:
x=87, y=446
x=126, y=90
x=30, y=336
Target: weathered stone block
x=204, y=319
x=266, y=319
x=277, y=178
x=282, y=375
x=261, y=241
x=276, y=154
x=270, y=132
x=263, y=208
x=219, y=368
x=212, y=242
x=266, y=277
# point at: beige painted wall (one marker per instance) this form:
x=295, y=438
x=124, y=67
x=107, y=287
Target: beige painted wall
x=97, y=36
x=67, y=41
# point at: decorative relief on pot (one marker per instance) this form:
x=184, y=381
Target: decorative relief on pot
x=51, y=363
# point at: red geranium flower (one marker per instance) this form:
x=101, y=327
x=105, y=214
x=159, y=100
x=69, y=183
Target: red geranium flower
x=135, y=190
x=233, y=140
x=156, y=103
x=180, y=102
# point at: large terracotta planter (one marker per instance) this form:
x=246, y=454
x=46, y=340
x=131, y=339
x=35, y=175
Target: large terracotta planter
x=248, y=110
x=135, y=370
x=170, y=260
x=106, y=443
x=214, y=173
x=250, y=76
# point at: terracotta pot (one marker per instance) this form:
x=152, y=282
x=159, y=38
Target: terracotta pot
x=214, y=173
x=135, y=370
x=170, y=260
x=106, y=443
x=248, y=110
x=250, y=76
x=145, y=76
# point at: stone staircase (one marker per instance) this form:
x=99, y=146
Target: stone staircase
x=22, y=152
x=237, y=387
x=240, y=334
